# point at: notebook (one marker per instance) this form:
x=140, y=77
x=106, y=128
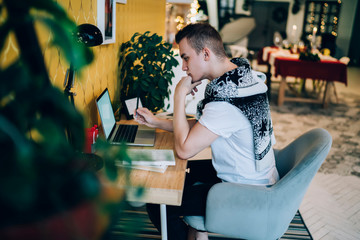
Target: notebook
x=152, y=157
x=156, y=160
x=134, y=135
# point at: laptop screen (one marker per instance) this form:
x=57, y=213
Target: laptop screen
x=106, y=112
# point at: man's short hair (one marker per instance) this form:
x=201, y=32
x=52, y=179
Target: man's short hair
x=200, y=35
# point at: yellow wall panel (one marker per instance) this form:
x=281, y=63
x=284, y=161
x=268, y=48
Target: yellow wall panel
x=134, y=16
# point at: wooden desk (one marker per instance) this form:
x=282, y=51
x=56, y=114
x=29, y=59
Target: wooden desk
x=159, y=188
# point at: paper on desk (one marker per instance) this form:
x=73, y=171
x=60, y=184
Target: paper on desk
x=151, y=157
x=160, y=169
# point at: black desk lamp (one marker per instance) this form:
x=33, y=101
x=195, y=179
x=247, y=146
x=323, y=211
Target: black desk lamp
x=90, y=36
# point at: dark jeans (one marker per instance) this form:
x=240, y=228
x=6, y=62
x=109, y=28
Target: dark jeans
x=193, y=201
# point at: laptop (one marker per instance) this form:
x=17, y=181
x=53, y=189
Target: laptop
x=133, y=135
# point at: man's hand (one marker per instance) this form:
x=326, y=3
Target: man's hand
x=186, y=86
x=145, y=117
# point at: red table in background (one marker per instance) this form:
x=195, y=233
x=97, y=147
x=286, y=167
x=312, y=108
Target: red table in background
x=326, y=70
x=285, y=64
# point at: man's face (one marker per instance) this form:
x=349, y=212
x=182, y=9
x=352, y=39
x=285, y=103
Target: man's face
x=193, y=64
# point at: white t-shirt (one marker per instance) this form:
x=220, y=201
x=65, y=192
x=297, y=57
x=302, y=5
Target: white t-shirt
x=233, y=154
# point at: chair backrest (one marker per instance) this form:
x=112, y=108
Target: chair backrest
x=238, y=51
x=297, y=165
x=314, y=143
x=345, y=60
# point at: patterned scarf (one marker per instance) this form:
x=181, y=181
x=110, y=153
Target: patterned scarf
x=248, y=93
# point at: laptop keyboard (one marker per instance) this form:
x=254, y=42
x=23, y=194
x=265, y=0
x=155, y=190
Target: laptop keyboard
x=126, y=133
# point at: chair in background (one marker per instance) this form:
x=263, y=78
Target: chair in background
x=238, y=51
x=235, y=36
x=259, y=212
x=345, y=60
x=236, y=31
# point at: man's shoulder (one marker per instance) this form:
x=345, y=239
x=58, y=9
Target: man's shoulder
x=222, y=110
x=221, y=106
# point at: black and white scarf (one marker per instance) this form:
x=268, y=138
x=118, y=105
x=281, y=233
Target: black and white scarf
x=245, y=89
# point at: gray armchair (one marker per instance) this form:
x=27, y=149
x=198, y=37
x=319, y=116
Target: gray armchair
x=258, y=212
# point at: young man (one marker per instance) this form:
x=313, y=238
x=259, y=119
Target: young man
x=233, y=118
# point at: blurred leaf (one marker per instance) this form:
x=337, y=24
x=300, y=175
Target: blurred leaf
x=52, y=136
x=49, y=6
x=90, y=184
x=41, y=172
x=20, y=194
x=77, y=54
x=23, y=148
x=4, y=31
x=14, y=71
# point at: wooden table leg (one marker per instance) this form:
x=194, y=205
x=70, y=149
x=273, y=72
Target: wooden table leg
x=327, y=96
x=282, y=87
x=334, y=90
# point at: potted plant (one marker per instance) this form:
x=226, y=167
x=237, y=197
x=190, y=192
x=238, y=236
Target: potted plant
x=46, y=183
x=145, y=69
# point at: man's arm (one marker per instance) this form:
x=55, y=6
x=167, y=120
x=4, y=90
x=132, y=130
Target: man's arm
x=188, y=140
x=144, y=116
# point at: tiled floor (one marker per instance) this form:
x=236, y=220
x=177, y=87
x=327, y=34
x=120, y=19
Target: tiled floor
x=331, y=207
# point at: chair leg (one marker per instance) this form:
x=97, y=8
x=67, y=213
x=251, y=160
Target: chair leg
x=326, y=97
x=282, y=91
x=327, y=93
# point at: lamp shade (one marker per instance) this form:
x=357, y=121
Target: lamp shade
x=89, y=35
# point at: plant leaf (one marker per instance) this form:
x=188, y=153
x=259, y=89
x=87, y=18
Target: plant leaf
x=4, y=31
x=75, y=53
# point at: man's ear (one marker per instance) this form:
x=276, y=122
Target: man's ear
x=206, y=51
